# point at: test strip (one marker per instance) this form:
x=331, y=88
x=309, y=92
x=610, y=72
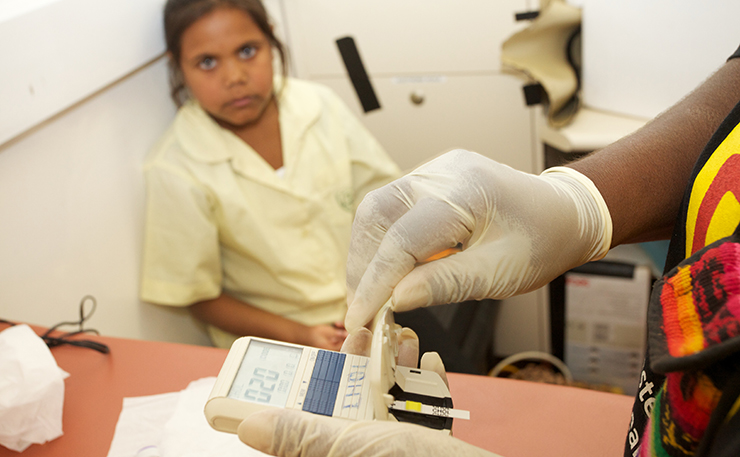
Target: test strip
x=440, y=411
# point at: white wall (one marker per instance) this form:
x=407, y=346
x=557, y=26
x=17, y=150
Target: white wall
x=58, y=52
x=71, y=213
x=641, y=57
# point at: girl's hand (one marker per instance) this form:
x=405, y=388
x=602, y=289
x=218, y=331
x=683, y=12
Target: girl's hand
x=325, y=337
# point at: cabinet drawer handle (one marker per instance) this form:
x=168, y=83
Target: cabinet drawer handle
x=417, y=97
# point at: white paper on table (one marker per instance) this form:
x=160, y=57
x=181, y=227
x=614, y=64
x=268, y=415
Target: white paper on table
x=176, y=425
x=141, y=423
x=31, y=390
x=188, y=434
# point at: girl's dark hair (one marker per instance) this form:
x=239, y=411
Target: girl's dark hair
x=181, y=14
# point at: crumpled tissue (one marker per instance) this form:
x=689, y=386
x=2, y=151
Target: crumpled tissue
x=31, y=390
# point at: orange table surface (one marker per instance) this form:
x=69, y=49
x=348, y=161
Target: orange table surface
x=512, y=418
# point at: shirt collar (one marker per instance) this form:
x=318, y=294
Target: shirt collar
x=204, y=140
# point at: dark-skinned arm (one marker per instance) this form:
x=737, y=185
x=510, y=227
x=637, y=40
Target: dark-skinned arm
x=643, y=176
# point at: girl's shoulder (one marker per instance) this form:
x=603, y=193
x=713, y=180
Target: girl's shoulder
x=301, y=86
x=304, y=91
x=191, y=137
x=164, y=144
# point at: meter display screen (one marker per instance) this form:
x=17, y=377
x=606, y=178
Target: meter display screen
x=266, y=373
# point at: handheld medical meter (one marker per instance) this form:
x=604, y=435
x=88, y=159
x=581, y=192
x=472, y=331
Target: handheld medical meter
x=260, y=373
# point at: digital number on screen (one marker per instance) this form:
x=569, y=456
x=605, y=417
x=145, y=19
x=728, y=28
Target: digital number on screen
x=266, y=373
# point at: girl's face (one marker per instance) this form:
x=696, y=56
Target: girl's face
x=226, y=62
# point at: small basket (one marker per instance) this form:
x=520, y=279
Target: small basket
x=533, y=362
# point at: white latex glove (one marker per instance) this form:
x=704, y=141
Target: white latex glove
x=289, y=433
x=518, y=231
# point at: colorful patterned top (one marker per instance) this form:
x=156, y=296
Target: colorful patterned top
x=689, y=386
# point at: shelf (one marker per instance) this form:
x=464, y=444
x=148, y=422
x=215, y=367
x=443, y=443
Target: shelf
x=590, y=130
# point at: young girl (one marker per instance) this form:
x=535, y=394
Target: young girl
x=252, y=190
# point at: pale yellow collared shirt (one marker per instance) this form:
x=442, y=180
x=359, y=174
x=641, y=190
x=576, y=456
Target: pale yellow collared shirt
x=219, y=218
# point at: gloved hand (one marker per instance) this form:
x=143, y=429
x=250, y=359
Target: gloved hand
x=288, y=433
x=518, y=232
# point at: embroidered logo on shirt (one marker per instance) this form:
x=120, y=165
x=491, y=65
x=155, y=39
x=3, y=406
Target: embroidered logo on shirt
x=345, y=200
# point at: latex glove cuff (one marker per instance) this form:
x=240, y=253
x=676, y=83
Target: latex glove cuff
x=592, y=211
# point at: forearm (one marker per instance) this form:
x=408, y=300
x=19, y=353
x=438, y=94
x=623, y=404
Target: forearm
x=239, y=318
x=643, y=176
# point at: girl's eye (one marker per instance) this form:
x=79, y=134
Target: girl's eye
x=247, y=52
x=207, y=63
